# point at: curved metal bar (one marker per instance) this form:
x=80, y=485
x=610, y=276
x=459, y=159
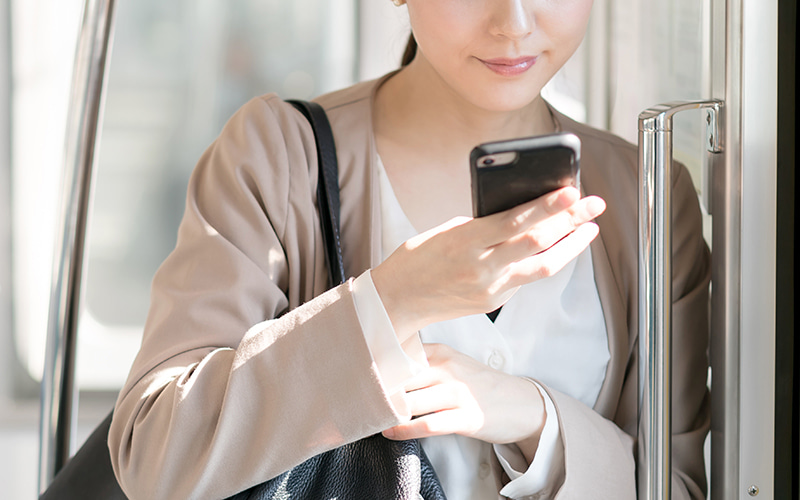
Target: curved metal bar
x=58, y=403
x=655, y=290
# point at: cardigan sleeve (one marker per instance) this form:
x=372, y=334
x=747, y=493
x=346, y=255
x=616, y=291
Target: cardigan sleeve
x=599, y=457
x=213, y=404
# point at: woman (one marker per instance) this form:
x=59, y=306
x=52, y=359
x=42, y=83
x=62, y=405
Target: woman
x=249, y=367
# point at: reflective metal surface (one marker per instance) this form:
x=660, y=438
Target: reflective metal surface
x=758, y=265
x=655, y=290
x=85, y=111
x=726, y=195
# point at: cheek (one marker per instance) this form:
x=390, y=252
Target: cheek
x=444, y=26
x=566, y=34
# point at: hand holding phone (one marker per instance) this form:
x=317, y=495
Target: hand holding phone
x=508, y=173
x=493, y=255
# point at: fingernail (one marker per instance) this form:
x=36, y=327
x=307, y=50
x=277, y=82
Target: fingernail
x=389, y=433
x=596, y=206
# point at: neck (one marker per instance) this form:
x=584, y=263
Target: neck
x=417, y=107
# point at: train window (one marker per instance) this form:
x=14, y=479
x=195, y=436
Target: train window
x=643, y=74
x=43, y=37
x=178, y=70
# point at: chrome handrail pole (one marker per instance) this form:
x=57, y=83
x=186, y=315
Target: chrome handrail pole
x=58, y=398
x=655, y=290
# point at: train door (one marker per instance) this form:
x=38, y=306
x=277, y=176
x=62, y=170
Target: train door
x=736, y=51
x=740, y=52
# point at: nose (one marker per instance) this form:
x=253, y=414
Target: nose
x=512, y=19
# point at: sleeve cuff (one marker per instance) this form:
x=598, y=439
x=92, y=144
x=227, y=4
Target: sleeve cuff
x=396, y=363
x=540, y=478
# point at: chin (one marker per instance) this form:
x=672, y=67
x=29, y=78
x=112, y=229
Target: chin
x=503, y=94
x=503, y=99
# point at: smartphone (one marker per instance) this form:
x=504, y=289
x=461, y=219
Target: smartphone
x=508, y=173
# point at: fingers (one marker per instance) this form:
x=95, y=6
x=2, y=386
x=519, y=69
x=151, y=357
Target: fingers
x=435, y=398
x=546, y=233
x=457, y=421
x=465, y=265
x=460, y=395
x=545, y=264
x=566, y=202
x=437, y=356
x=439, y=401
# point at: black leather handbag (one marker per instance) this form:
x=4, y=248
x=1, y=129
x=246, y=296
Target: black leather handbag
x=373, y=468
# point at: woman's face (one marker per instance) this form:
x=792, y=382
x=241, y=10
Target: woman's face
x=497, y=54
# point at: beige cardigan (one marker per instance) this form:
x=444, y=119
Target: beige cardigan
x=214, y=404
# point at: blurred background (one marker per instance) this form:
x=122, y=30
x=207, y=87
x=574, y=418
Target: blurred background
x=178, y=70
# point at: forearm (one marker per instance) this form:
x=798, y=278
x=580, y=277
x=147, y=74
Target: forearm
x=212, y=422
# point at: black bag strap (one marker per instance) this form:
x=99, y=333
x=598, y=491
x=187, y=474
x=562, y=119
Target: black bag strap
x=327, y=186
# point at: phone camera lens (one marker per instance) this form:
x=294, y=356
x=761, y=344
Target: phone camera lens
x=488, y=161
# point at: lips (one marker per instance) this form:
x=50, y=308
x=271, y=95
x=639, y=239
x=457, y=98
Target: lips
x=509, y=66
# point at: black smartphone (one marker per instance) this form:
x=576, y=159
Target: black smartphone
x=508, y=173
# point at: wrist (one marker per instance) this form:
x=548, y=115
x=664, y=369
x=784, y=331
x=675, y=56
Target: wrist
x=397, y=302
x=537, y=418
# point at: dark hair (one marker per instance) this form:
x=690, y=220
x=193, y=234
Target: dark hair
x=411, y=50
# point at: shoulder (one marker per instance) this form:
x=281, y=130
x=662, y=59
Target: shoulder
x=270, y=123
x=271, y=109
x=349, y=98
x=350, y=113
x=266, y=119
x=258, y=162
x=268, y=135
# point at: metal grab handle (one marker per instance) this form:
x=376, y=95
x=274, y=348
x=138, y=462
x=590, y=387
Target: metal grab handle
x=655, y=289
x=58, y=404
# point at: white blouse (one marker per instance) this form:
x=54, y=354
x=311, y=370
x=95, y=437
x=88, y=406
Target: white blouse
x=551, y=330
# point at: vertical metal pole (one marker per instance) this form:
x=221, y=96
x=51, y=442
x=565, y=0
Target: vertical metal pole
x=655, y=160
x=58, y=404
x=655, y=291
x=726, y=203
